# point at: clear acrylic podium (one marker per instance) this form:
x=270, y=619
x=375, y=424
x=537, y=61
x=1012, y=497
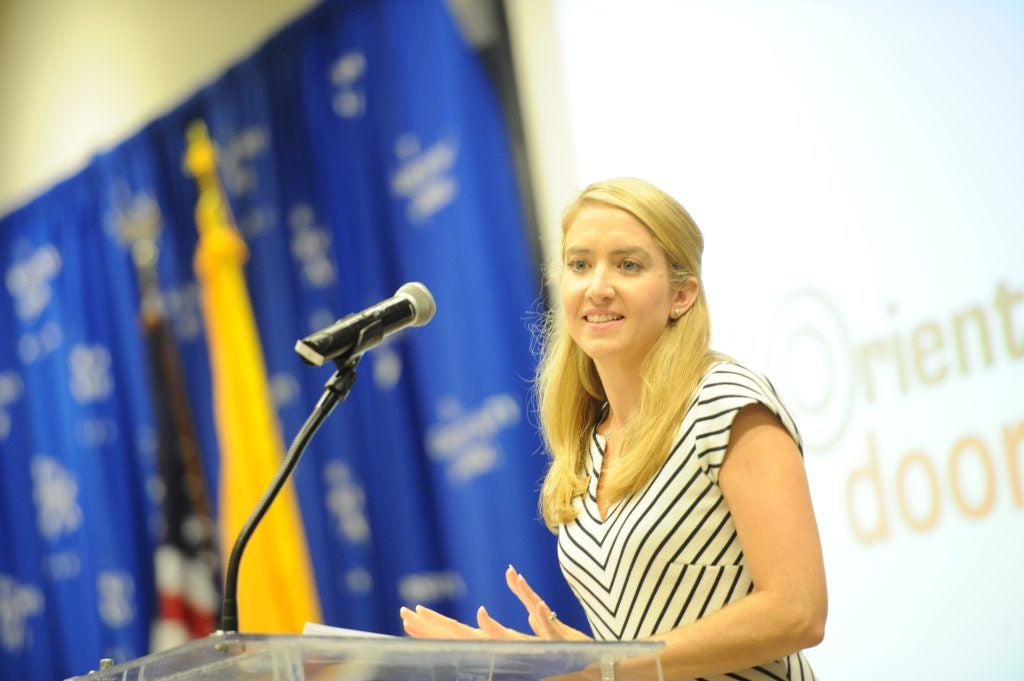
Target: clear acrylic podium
x=261, y=657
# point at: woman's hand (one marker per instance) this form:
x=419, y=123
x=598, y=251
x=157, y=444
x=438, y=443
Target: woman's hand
x=542, y=619
x=426, y=623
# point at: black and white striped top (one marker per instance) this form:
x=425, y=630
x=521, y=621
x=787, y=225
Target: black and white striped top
x=669, y=554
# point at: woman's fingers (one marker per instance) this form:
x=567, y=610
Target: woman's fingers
x=496, y=630
x=547, y=627
x=545, y=623
x=413, y=624
x=519, y=586
x=539, y=615
x=426, y=623
x=543, y=620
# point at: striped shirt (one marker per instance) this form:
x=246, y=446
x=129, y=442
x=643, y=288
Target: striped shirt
x=669, y=554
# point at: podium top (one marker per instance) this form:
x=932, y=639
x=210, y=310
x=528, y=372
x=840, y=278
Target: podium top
x=302, y=658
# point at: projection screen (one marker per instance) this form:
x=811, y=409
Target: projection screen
x=857, y=169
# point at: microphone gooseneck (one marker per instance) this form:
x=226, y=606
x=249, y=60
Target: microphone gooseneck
x=335, y=391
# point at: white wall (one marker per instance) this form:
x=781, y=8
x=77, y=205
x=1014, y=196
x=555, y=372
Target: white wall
x=537, y=58
x=77, y=76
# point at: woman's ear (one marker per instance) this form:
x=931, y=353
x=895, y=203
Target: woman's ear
x=685, y=297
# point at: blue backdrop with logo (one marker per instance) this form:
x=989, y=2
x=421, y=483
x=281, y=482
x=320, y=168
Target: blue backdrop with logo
x=361, y=148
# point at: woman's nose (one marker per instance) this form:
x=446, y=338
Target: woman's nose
x=600, y=287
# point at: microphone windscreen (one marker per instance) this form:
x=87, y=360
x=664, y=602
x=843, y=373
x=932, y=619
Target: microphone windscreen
x=422, y=302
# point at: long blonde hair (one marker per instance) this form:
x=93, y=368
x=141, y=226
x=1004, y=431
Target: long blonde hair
x=570, y=396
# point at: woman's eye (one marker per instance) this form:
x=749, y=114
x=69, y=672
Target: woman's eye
x=576, y=265
x=631, y=266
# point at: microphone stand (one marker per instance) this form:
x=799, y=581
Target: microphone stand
x=336, y=390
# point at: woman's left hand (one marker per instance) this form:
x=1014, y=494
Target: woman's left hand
x=542, y=619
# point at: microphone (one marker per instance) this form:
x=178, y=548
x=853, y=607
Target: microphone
x=349, y=338
x=412, y=305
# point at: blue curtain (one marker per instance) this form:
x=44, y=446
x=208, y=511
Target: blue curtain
x=362, y=147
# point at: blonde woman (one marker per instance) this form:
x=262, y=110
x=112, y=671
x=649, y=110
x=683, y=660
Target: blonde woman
x=676, y=485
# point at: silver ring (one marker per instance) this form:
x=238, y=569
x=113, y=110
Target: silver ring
x=553, y=616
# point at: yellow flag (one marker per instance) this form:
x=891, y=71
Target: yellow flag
x=276, y=587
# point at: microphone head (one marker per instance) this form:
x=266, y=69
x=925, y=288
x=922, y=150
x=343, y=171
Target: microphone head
x=422, y=302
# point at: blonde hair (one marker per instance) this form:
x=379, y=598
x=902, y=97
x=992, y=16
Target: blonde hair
x=570, y=396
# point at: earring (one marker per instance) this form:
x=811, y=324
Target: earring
x=677, y=312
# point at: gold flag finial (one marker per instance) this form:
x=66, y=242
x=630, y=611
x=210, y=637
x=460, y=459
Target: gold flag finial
x=200, y=155
x=212, y=208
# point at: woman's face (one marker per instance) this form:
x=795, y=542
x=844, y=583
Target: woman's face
x=615, y=287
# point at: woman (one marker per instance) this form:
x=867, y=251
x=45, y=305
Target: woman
x=676, y=485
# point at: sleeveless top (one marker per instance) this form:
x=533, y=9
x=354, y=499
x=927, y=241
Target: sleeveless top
x=669, y=554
